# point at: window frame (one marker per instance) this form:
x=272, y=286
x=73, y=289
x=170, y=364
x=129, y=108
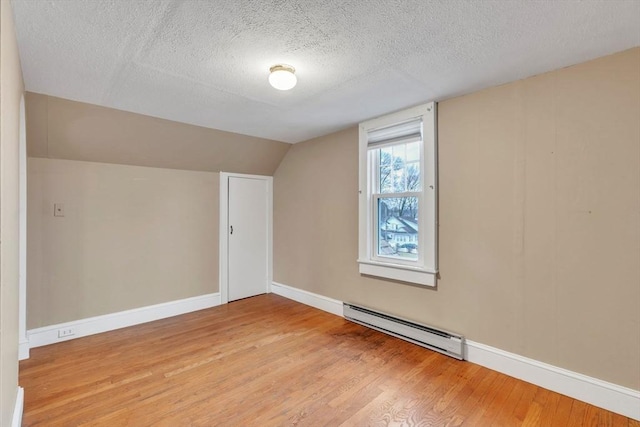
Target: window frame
x=424, y=270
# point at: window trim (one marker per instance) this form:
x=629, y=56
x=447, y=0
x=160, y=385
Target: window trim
x=424, y=271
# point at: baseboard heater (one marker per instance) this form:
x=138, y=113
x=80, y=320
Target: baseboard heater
x=434, y=339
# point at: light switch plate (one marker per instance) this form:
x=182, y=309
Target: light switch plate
x=58, y=209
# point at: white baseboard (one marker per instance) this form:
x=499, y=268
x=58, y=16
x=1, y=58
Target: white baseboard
x=16, y=421
x=308, y=298
x=612, y=397
x=23, y=349
x=108, y=322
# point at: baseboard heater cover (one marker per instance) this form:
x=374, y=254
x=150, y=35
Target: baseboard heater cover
x=426, y=336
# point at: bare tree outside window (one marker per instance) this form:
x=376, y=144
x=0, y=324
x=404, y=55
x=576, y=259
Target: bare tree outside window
x=399, y=172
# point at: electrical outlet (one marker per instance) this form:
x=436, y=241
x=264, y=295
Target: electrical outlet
x=66, y=332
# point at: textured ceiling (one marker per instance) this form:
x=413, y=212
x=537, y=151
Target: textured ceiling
x=206, y=62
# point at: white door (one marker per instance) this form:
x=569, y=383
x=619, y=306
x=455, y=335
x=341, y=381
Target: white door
x=248, y=237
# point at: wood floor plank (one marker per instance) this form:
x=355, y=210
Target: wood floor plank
x=269, y=361
x=576, y=416
x=527, y=399
x=504, y=414
x=535, y=409
x=469, y=406
x=486, y=408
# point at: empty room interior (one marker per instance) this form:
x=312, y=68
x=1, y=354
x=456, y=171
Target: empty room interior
x=320, y=213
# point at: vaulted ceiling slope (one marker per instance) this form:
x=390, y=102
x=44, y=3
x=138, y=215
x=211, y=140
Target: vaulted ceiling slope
x=62, y=129
x=206, y=62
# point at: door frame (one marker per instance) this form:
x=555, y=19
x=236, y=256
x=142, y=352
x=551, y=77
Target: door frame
x=223, y=269
x=23, y=340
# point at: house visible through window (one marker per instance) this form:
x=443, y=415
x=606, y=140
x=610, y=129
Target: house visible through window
x=398, y=196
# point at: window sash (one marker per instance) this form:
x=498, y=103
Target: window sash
x=375, y=232
x=373, y=152
x=373, y=165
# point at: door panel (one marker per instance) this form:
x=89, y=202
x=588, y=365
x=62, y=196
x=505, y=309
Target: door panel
x=248, y=237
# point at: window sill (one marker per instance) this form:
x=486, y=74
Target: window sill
x=398, y=272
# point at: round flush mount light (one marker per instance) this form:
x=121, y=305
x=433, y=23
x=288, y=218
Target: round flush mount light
x=282, y=77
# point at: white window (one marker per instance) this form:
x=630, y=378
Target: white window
x=398, y=195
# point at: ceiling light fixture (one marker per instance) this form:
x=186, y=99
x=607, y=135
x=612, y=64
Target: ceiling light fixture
x=282, y=77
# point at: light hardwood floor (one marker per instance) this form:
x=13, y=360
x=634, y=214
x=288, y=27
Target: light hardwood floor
x=269, y=361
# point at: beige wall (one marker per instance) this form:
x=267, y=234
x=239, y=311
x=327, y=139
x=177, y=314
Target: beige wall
x=539, y=220
x=63, y=129
x=131, y=236
x=11, y=90
x=141, y=198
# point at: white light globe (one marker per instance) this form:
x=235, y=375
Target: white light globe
x=282, y=77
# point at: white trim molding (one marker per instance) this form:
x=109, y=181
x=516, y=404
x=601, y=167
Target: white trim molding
x=416, y=124
x=223, y=242
x=401, y=273
x=23, y=348
x=612, y=397
x=23, y=352
x=109, y=322
x=16, y=421
x=320, y=302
